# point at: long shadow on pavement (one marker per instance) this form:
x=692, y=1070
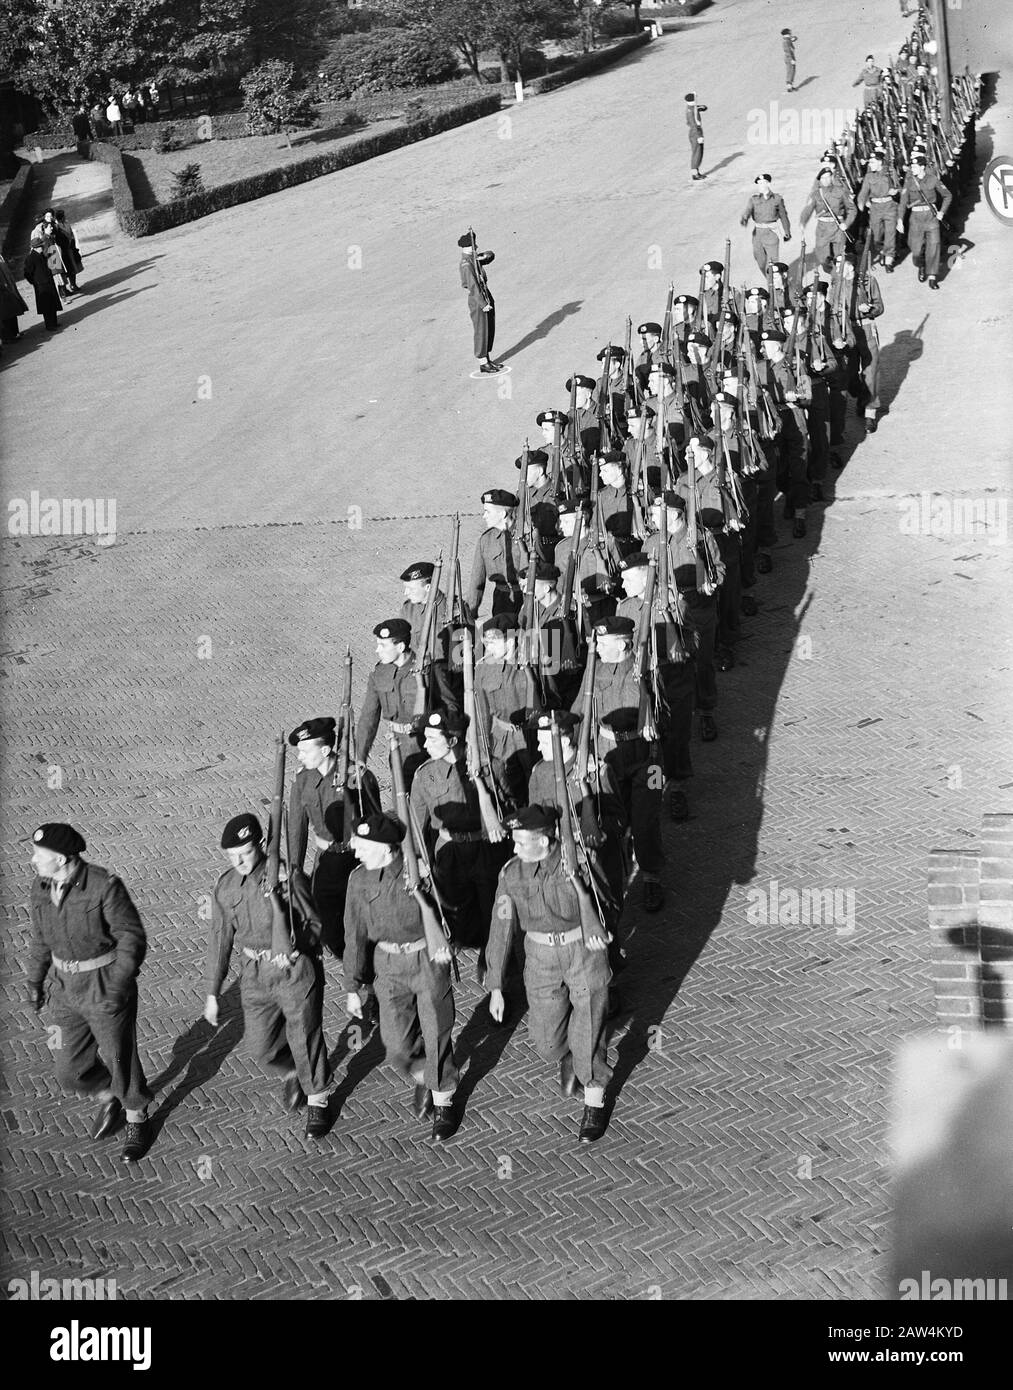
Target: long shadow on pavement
x=543, y=329
x=197, y=1055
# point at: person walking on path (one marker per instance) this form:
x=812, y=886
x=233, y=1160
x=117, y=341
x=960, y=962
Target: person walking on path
x=40, y=277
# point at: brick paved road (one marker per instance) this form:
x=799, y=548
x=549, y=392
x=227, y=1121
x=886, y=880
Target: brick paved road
x=746, y=1153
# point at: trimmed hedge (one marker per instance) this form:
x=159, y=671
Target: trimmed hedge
x=139, y=222
x=588, y=64
x=13, y=208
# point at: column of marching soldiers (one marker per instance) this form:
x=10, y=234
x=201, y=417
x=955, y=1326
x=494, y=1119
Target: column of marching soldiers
x=534, y=754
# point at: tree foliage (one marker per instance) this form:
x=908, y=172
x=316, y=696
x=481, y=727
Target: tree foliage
x=274, y=99
x=511, y=27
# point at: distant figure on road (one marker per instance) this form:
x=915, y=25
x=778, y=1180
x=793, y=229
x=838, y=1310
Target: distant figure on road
x=789, y=40
x=83, y=133
x=481, y=305
x=12, y=306
x=695, y=127
x=40, y=277
x=766, y=208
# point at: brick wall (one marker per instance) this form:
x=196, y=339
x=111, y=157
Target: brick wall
x=970, y=902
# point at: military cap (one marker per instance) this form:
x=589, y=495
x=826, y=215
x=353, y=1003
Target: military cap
x=780, y=266
x=543, y=570
x=446, y=722
x=685, y=578
x=824, y=169
x=422, y=569
x=535, y=457
x=613, y=456
x=726, y=398
x=500, y=622
x=565, y=719
x=499, y=497
x=705, y=442
x=760, y=178
x=551, y=417
x=624, y=720
x=541, y=819
x=665, y=368
x=394, y=630
x=690, y=299
x=772, y=335
x=715, y=267
x=691, y=96
x=60, y=838
x=785, y=31
x=464, y=240
x=380, y=828
x=650, y=327
x=879, y=151
x=615, y=626
x=241, y=831
x=568, y=505
x=756, y=292
x=323, y=728
x=611, y=351
x=674, y=501
x=588, y=382
x=699, y=337
x=634, y=561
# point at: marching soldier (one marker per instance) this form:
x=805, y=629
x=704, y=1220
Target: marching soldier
x=684, y=307
x=443, y=683
x=282, y=987
x=651, y=351
x=766, y=208
x=928, y=201
x=614, y=408
x=835, y=212
x=878, y=196
x=583, y=425
x=390, y=694
x=316, y=805
x=418, y=580
x=501, y=687
x=694, y=127
x=566, y=971
x=867, y=302
x=86, y=929
x=481, y=305
x=871, y=81
x=713, y=273
x=499, y=555
x=790, y=390
x=556, y=640
x=413, y=987
x=788, y=42
x=541, y=503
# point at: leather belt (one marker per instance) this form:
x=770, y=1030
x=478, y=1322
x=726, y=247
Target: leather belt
x=402, y=948
x=554, y=938
x=76, y=967
x=399, y=728
x=257, y=955
x=920, y=207
x=621, y=736
x=880, y=200
x=462, y=836
x=500, y=723
x=827, y=217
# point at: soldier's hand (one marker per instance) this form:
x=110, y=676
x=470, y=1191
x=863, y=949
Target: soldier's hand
x=596, y=943
x=939, y=217
x=36, y=996
x=842, y=225
x=863, y=308
x=900, y=226
x=211, y=1010
x=787, y=238
x=497, y=1005
x=442, y=956
x=321, y=843
x=486, y=308
x=706, y=588
x=353, y=1005
x=743, y=221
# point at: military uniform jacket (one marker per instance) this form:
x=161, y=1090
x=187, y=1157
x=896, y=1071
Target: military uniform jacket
x=616, y=687
x=498, y=557
x=586, y=564
x=709, y=504
x=95, y=916
x=693, y=123
x=868, y=292
x=310, y=796
x=588, y=430
x=542, y=791
x=615, y=507
x=241, y=916
x=505, y=688
x=529, y=897
x=390, y=694
x=766, y=209
x=479, y=293
x=557, y=637
x=444, y=797
x=544, y=519
x=834, y=201
x=877, y=189
x=922, y=195
x=414, y=613
x=378, y=907
x=692, y=605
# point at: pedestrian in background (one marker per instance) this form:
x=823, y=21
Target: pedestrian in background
x=40, y=277
x=114, y=116
x=82, y=131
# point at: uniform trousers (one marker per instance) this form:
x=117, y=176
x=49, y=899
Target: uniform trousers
x=567, y=989
x=95, y=1047
x=416, y=1002
x=282, y=1011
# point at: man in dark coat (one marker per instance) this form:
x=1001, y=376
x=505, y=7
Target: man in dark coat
x=481, y=305
x=40, y=277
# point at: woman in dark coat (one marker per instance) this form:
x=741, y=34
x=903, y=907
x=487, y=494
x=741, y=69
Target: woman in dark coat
x=11, y=304
x=40, y=277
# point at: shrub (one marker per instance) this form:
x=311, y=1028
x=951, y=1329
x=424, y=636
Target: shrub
x=274, y=100
x=167, y=138
x=385, y=58
x=591, y=62
x=187, y=182
x=617, y=21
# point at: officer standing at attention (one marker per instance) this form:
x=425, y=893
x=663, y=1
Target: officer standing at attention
x=413, y=989
x=695, y=128
x=282, y=991
x=788, y=41
x=84, y=926
x=766, y=208
x=481, y=305
x=566, y=970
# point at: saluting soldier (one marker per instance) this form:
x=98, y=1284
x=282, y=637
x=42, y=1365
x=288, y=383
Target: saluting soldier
x=788, y=42
x=499, y=554
x=566, y=978
x=481, y=305
x=315, y=792
x=390, y=695
x=835, y=212
x=86, y=929
x=878, y=196
x=282, y=991
x=928, y=200
x=413, y=988
x=767, y=209
x=694, y=127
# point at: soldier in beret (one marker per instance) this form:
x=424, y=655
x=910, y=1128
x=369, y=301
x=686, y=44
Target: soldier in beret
x=481, y=305
x=928, y=200
x=582, y=424
x=615, y=507
x=614, y=405
x=282, y=993
x=315, y=791
x=650, y=352
x=791, y=391
x=556, y=643
x=665, y=400
x=390, y=695
x=413, y=987
x=541, y=503
x=418, y=582
x=694, y=127
x=713, y=273
x=502, y=694
x=553, y=426
x=566, y=980
x=766, y=208
x=878, y=196
x=499, y=555
x=684, y=307
x=835, y=212
x=85, y=928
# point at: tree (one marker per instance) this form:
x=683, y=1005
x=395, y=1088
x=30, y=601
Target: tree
x=274, y=99
x=461, y=24
x=518, y=25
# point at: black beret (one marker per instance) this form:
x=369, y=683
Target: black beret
x=613, y=456
x=705, y=441
x=60, y=838
x=650, y=327
x=624, y=720
x=637, y=560
x=685, y=578
x=665, y=368
x=686, y=299
x=674, y=501
x=615, y=626
x=380, y=828
x=772, y=335
x=324, y=729
x=566, y=720
x=464, y=240
x=241, y=831
x=760, y=177
x=611, y=351
x=543, y=570
x=588, y=382
x=780, y=266
x=756, y=292
x=691, y=96
x=699, y=337
x=785, y=31
x=538, y=818
x=551, y=417
x=535, y=456
x=422, y=569
x=499, y=497
x=501, y=622
x=715, y=267
x=394, y=629
x=447, y=722
x=568, y=505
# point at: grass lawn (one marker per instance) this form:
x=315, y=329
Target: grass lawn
x=223, y=161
